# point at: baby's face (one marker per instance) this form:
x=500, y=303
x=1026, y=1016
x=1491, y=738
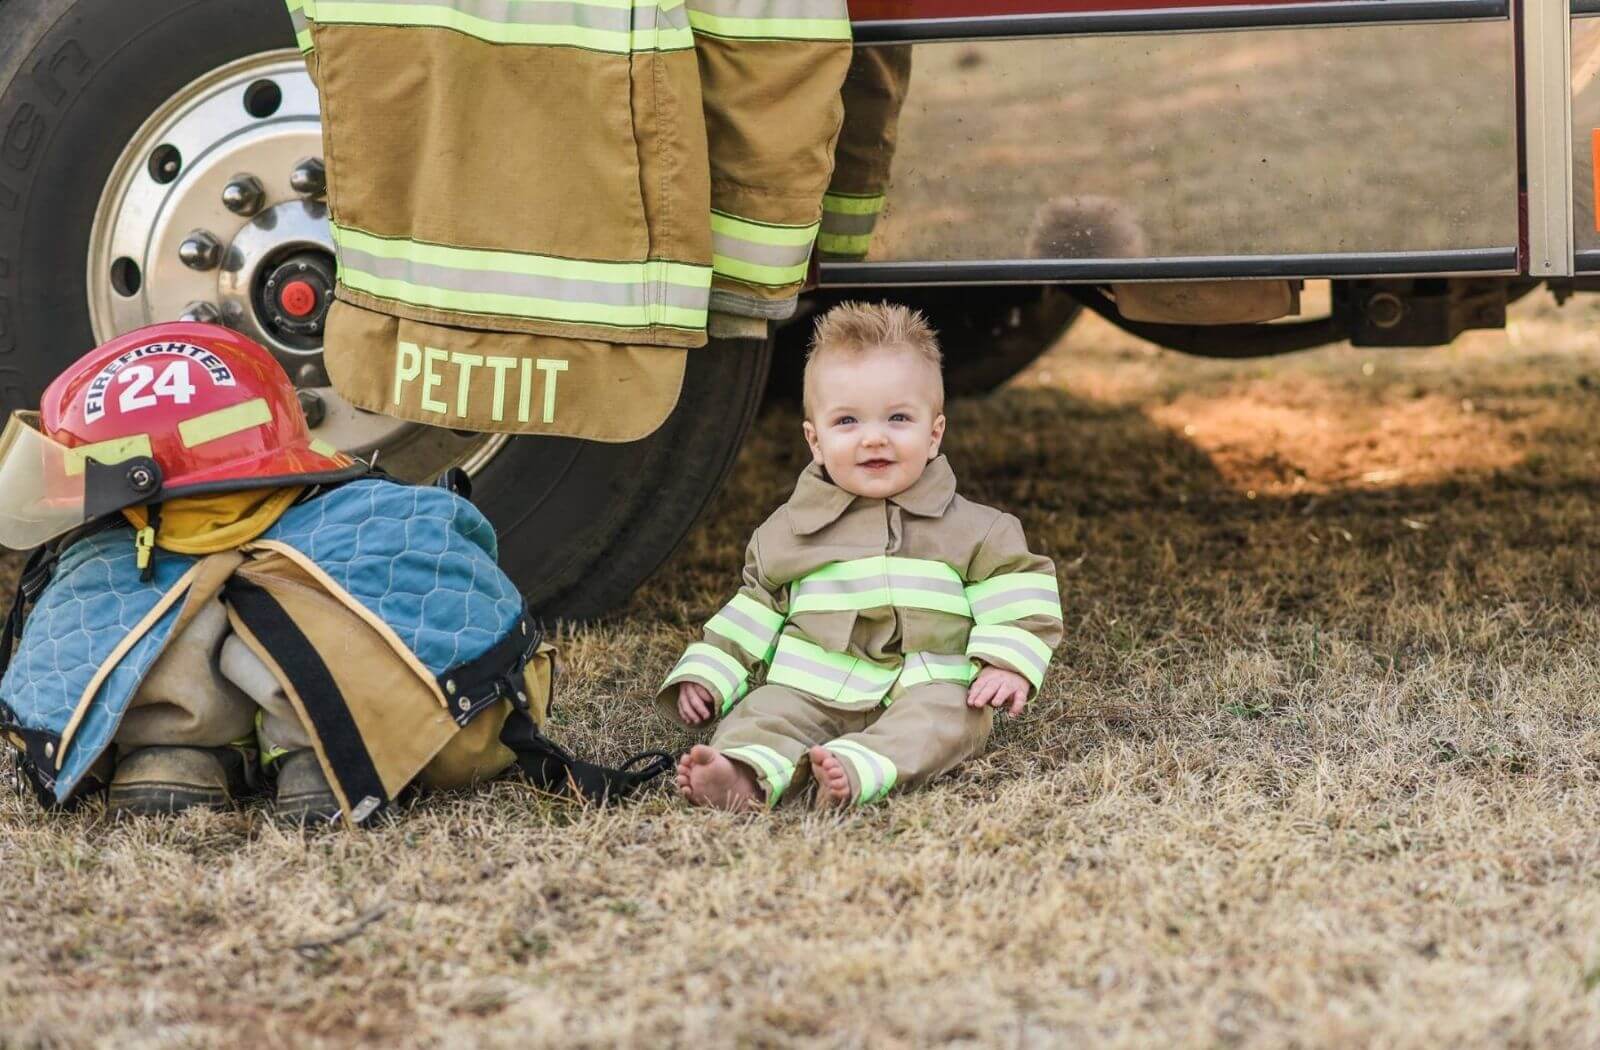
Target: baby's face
x=875, y=422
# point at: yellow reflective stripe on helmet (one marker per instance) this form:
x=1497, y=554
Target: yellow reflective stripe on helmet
x=322, y=448
x=1015, y=596
x=845, y=680
x=614, y=26
x=880, y=581
x=758, y=252
x=1010, y=647
x=112, y=450
x=875, y=773
x=773, y=769
x=224, y=422
x=517, y=284
x=713, y=668
x=750, y=625
x=771, y=19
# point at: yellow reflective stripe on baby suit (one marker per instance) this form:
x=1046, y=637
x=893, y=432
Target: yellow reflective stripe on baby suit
x=1015, y=596
x=875, y=773
x=750, y=625
x=836, y=677
x=878, y=582
x=1010, y=647
x=923, y=668
x=713, y=668
x=774, y=770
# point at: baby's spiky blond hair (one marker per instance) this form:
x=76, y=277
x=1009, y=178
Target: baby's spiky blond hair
x=852, y=328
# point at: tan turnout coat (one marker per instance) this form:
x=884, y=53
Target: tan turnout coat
x=853, y=601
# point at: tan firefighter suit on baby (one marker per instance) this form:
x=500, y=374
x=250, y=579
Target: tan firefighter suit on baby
x=537, y=206
x=872, y=617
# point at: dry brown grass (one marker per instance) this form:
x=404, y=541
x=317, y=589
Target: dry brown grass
x=1315, y=768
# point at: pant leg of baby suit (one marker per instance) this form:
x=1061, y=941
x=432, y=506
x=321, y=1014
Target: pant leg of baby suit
x=922, y=735
x=772, y=730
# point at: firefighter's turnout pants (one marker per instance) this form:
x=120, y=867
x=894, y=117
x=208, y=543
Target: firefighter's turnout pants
x=528, y=198
x=874, y=92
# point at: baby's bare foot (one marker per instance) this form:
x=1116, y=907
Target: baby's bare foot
x=707, y=777
x=833, y=783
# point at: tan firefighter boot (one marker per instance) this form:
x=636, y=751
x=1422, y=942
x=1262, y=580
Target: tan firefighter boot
x=160, y=781
x=303, y=795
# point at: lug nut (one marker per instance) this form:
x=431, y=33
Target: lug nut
x=309, y=178
x=311, y=404
x=243, y=195
x=200, y=251
x=200, y=311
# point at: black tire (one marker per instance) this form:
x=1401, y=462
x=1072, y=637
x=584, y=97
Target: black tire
x=581, y=524
x=989, y=334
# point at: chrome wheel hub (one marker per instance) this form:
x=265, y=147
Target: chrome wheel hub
x=214, y=212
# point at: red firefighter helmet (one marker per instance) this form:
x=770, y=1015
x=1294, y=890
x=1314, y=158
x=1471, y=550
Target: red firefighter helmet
x=177, y=409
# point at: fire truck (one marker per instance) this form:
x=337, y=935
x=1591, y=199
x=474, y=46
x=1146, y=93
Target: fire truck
x=1180, y=167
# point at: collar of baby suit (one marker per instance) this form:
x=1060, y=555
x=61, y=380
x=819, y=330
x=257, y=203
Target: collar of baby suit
x=817, y=502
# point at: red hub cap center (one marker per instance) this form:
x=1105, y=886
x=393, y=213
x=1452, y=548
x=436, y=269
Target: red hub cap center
x=299, y=298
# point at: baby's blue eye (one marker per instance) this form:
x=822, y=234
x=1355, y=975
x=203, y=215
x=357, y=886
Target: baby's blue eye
x=899, y=417
x=844, y=421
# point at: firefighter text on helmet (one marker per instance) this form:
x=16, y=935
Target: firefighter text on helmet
x=440, y=382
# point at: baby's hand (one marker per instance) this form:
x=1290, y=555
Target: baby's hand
x=694, y=703
x=996, y=687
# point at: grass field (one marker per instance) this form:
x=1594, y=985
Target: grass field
x=1317, y=766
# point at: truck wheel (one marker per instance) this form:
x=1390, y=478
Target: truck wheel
x=989, y=334
x=128, y=125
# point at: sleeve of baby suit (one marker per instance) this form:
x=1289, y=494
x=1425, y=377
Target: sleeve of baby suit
x=738, y=640
x=1016, y=603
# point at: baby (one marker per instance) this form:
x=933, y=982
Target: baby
x=893, y=615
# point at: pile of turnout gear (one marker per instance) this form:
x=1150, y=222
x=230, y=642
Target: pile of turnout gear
x=215, y=596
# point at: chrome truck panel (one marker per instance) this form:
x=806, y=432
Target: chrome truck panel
x=1357, y=148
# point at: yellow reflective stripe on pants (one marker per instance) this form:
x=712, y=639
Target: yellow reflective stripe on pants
x=874, y=773
x=514, y=284
x=880, y=581
x=771, y=19
x=773, y=769
x=713, y=668
x=844, y=680
x=1015, y=596
x=847, y=223
x=614, y=26
x=299, y=17
x=1010, y=647
x=922, y=668
x=750, y=625
x=758, y=252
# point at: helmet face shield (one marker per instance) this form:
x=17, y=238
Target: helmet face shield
x=41, y=484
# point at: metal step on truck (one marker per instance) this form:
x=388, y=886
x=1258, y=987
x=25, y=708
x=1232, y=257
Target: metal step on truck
x=1180, y=168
